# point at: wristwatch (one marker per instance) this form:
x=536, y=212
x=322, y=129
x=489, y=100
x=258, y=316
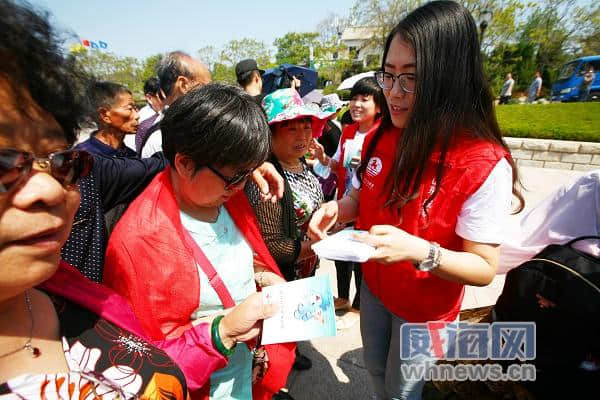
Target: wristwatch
x=433, y=258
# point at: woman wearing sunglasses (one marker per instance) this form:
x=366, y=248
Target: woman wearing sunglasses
x=433, y=191
x=51, y=347
x=184, y=250
x=61, y=335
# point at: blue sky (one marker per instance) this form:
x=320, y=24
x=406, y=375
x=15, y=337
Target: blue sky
x=141, y=28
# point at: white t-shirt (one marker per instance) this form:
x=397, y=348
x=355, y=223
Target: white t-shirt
x=485, y=213
x=129, y=141
x=153, y=144
x=359, y=139
x=146, y=112
x=154, y=141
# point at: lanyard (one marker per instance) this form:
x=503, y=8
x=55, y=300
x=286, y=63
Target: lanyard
x=213, y=277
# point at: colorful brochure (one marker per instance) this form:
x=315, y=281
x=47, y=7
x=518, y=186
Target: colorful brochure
x=306, y=310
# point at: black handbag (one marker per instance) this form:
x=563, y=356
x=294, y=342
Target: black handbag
x=559, y=290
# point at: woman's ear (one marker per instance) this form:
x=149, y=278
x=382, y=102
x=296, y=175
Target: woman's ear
x=184, y=165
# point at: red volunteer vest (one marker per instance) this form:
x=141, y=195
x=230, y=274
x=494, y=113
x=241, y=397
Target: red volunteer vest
x=413, y=295
x=149, y=263
x=348, y=134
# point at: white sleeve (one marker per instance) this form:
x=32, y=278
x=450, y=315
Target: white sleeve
x=484, y=215
x=355, y=181
x=338, y=152
x=153, y=144
x=146, y=112
x=570, y=211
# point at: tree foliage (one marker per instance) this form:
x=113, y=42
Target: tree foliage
x=148, y=67
x=382, y=15
x=221, y=62
x=108, y=66
x=331, y=27
x=294, y=48
x=236, y=50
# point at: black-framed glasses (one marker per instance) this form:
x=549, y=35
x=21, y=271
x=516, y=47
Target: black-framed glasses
x=386, y=80
x=67, y=167
x=234, y=180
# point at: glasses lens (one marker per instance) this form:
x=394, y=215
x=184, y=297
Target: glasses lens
x=238, y=178
x=385, y=80
x=380, y=79
x=14, y=165
x=408, y=82
x=68, y=167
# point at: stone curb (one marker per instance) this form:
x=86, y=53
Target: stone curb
x=555, y=154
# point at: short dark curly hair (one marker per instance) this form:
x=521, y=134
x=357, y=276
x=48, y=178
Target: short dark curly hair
x=33, y=59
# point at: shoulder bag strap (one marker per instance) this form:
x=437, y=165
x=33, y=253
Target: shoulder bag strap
x=213, y=277
x=580, y=238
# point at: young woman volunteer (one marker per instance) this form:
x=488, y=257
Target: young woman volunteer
x=433, y=190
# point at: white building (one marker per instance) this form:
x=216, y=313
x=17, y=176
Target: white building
x=359, y=40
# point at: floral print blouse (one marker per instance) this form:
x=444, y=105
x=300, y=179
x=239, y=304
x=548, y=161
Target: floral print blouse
x=105, y=362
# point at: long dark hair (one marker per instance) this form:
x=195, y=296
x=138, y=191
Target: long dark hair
x=451, y=95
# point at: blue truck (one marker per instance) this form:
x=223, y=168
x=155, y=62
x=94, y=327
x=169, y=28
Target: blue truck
x=569, y=83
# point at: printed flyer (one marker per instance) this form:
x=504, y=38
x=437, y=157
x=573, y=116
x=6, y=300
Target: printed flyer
x=305, y=311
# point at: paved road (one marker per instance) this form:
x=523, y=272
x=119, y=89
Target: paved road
x=338, y=368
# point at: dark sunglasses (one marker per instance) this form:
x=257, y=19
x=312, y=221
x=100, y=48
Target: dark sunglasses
x=67, y=167
x=234, y=180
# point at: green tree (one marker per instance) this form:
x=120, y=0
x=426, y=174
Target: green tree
x=294, y=48
x=223, y=73
x=108, y=66
x=236, y=50
x=590, y=45
x=148, y=67
x=554, y=29
x=331, y=28
x=589, y=39
x=516, y=58
x=209, y=55
x=381, y=15
x=221, y=62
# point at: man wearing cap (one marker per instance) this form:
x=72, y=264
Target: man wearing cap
x=249, y=77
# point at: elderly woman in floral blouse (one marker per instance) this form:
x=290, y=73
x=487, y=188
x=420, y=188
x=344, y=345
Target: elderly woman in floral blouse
x=284, y=224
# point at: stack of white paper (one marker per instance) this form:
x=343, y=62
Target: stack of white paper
x=342, y=246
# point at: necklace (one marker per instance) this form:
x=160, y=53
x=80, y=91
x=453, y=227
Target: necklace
x=35, y=352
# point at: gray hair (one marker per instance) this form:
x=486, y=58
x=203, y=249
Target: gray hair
x=170, y=67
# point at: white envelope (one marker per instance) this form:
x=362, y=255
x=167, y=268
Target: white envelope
x=343, y=247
